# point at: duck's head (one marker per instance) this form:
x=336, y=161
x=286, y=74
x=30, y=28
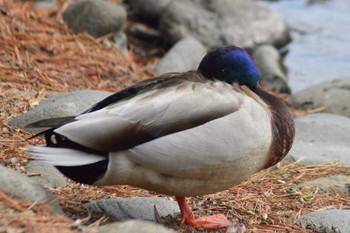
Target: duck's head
x=230, y=64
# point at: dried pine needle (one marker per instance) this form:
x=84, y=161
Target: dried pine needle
x=39, y=54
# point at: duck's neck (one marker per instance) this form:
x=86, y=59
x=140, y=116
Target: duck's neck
x=282, y=127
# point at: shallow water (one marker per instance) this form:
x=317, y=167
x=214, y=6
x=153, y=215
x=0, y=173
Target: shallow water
x=320, y=49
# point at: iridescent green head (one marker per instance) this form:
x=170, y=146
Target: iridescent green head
x=230, y=64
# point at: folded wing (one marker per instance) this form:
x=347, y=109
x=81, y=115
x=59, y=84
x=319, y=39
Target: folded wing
x=172, y=106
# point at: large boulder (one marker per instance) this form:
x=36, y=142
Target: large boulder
x=183, y=56
x=96, y=17
x=321, y=138
x=273, y=73
x=19, y=186
x=59, y=105
x=327, y=221
x=142, y=208
x=333, y=95
x=243, y=23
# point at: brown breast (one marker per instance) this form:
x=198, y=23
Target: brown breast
x=283, y=128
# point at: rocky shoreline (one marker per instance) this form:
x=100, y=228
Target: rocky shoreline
x=189, y=29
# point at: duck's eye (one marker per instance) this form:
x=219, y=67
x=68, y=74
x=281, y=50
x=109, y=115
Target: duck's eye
x=222, y=72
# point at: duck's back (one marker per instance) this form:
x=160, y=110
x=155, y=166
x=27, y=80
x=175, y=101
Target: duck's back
x=180, y=134
x=204, y=159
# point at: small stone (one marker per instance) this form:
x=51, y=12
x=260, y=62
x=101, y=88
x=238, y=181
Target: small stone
x=5, y=130
x=330, y=184
x=45, y=4
x=269, y=62
x=332, y=95
x=49, y=177
x=142, y=208
x=120, y=41
x=185, y=55
x=264, y=216
x=14, y=160
x=132, y=226
x=96, y=17
x=20, y=186
x=237, y=228
x=321, y=138
x=326, y=221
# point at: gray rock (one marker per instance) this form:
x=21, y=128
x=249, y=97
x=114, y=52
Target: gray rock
x=330, y=184
x=327, y=221
x=183, y=56
x=49, y=177
x=150, y=9
x=243, y=23
x=120, y=41
x=135, y=208
x=59, y=105
x=269, y=62
x=320, y=138
x=132, y=226
x=310, y=2
x=333, y=95
x=144, y=32
x=96, y=17
x=45, y=4
x=237, y=228
x=20, y=186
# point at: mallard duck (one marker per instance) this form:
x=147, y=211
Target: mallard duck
x=181, y=134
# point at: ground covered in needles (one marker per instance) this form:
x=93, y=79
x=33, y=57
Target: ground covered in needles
x=39, y=55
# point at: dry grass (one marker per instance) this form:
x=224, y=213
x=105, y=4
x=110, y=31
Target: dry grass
x=39, y=54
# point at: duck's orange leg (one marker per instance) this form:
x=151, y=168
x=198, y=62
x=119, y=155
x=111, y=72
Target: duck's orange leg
x=210, y=222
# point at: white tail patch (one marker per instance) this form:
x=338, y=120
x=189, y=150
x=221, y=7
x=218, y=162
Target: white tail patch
x=63, y=156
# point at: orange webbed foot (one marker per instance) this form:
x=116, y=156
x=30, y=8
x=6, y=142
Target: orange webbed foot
x=209, y=222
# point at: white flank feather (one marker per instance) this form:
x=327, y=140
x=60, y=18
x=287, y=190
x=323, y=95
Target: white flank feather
x=63, y=156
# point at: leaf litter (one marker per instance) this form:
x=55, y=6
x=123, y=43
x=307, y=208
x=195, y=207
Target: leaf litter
x=39, y=54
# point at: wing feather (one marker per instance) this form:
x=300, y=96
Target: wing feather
x=212, y=148
x=153, y=113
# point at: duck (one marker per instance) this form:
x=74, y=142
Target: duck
x=181, y=134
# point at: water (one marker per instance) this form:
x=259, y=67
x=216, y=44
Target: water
x=320, y=49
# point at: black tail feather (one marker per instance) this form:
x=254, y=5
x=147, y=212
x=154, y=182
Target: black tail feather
x=52, y=123
x=48, y=131
x=86, y=174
